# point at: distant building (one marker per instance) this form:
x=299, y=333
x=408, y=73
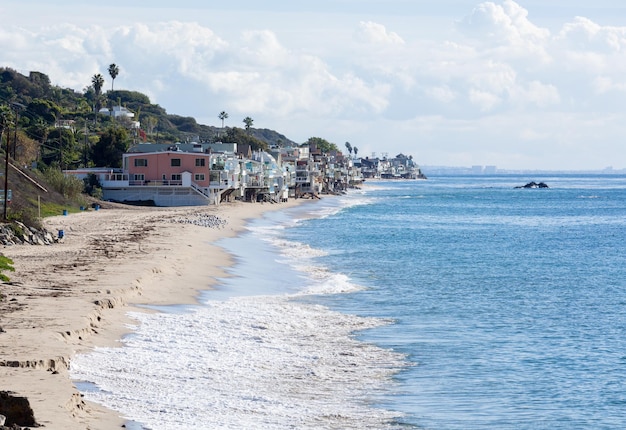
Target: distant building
x=65, y=123
x=120, y=112
x=490, y=170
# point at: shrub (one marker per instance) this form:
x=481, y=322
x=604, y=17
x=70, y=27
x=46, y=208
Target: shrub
x=70, y=186
x=25, y=215
x=5, y=264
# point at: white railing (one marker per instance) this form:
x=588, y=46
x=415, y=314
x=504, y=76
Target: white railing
x=156, y=183
x=199, y=189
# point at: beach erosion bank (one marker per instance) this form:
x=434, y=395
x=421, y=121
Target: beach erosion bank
x=73, y=296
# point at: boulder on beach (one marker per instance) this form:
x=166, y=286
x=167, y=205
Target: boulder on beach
x=16, y=411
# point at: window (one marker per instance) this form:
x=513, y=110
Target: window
x=175, y=162
x=200, y=162
x=199, y=176
x=138, y=177
x=141, y=162
x=176, y=177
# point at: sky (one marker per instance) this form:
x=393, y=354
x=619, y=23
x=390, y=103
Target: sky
x=537, y=84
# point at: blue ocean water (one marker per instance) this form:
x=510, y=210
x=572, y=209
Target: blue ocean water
x=451, y=303
x=511, y=303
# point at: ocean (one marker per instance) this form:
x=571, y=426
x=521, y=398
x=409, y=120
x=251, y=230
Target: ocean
x=459, y=302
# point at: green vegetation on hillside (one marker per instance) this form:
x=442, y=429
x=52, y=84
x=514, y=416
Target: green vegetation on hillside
x=44, y=108
x=46, y=129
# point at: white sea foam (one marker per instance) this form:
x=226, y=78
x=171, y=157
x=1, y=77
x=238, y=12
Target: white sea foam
x=247, y=362
x=296, y=250
x=268, y=362
x=328, y=282
x=302, y=258
x=337, y=204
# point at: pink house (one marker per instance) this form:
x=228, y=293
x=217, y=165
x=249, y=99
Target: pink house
x=168, y=168
x=168, y=177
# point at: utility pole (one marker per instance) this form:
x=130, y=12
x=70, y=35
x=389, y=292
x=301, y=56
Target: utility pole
x=15, y=106
x=6, y=176
x=86, y=147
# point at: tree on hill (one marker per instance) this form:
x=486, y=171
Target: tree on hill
x=184, y=123
x=150, y=123
x=97, y=81
x=61, y=149
x=40, y=80
x=133, y=100
x=322, y=144
x=238, y=135
x=45, y=110
x=38, y=130
x=248, y=122
x=5, y=119
x=108, y=151
x=223, y=115
x=113, y=72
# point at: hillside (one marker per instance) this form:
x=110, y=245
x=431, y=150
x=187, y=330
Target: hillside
x=51, y=103
x=57, y=128
x=33, y=197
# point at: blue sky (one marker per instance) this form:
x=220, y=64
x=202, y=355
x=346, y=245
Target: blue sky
x=518, y=84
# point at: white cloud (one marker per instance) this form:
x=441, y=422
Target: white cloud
x=485, y=100
x=443, y=94
x=586, y=35
x=503, y=24
x=604, y=85
x=541, y=95
x=493, y=77
x=373, y=33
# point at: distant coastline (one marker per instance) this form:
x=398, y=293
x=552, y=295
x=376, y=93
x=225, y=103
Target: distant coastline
x=493, y=170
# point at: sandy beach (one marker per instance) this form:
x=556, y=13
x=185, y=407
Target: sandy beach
x=73, y=296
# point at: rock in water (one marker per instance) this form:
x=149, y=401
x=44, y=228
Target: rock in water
x=534, y=185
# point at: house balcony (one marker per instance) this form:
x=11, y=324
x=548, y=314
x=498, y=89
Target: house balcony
x=155, y=183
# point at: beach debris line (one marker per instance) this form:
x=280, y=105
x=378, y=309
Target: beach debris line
x=202, y=220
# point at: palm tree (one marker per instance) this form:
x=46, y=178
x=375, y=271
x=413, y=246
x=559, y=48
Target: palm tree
x=356, y=150
x=113, y=72
x=349, y=148
x=248, y=122
x=223, y=115
x=97, y=81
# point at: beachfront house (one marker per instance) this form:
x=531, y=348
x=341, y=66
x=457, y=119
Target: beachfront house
x=307, y=174
x=290, y=157
x=274, y=185
x=167, y=177
x=190, y=174
x=371, y=168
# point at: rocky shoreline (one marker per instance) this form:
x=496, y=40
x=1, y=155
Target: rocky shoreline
x=16, y=233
